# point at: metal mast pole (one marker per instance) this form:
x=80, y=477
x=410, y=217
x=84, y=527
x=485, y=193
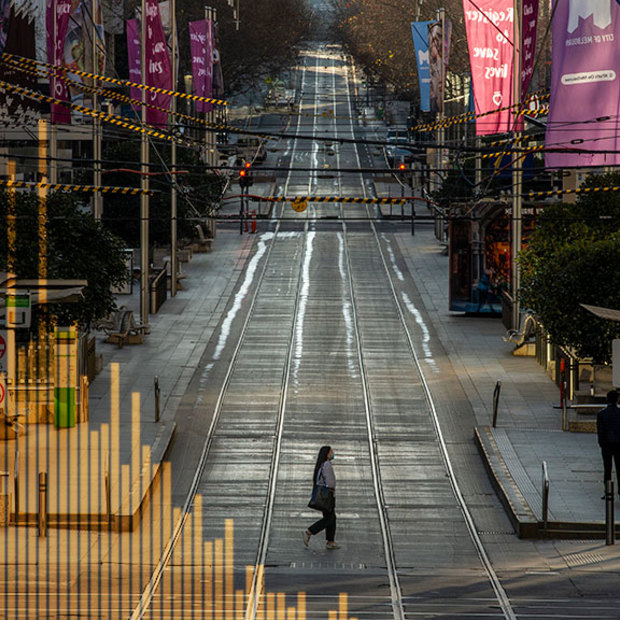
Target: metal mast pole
x=97, y=197
x=144, y=184
x=173, y=156
x=441, y=18
x=517, y=169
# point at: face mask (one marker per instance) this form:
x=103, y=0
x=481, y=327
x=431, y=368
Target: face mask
x=331, y=458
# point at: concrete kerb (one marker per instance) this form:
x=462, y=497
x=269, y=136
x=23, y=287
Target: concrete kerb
x=520, y=513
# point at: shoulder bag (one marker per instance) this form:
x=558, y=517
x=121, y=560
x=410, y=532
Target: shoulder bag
x=322, y=497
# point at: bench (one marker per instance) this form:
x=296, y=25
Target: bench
x=122, y=328
x=204, y=243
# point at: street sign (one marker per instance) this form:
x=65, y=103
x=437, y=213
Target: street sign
x=18, y=310
x=300, y=205
x=2, y=391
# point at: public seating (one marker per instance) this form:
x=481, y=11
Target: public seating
x=122, y=328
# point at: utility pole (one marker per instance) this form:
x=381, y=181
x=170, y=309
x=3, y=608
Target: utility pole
x=517, y=169
x=144, y=184
x=173, y=156
x=97, y=197
x=441, y=18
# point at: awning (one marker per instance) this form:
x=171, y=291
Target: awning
x=603, y=313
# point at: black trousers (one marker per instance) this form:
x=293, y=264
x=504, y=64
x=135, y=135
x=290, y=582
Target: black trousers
x=327, y=523
x=611, y=452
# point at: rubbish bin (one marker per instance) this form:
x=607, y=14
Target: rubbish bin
x=65, y=390
x=5, y=499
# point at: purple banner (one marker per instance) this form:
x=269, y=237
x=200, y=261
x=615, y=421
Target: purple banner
x=584, y=111
x=197, y=41
x=528, y=42
x=57, y=21
x=133, y=54
x=158, y=65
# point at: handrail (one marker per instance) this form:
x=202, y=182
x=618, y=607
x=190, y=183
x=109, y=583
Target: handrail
x=545, y=495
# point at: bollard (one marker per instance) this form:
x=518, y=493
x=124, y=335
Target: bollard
x=16, y=485
x=42, y=504
x=253, y=222
x=496, y=391
x=610, y=525
x=5, y=499
x=564, y=408
x=157, y=392
x=545, y=495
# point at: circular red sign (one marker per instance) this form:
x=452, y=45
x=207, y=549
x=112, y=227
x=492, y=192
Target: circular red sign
x=1, y=394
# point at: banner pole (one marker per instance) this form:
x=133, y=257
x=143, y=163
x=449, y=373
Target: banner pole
x=97, y=197
x=517, y=168
x=173, y=156
x=144, y=183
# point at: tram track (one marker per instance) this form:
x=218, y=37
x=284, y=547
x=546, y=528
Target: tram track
x=254, y=602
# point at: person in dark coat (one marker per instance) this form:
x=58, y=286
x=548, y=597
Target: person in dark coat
x=324, y=474
x=608, y=429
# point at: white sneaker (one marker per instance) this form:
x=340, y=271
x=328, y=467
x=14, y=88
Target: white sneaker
x=332, y=545
x=306, y=537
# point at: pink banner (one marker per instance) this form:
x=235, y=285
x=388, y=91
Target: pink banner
x=158, y=65
x=57, y=21
x=489, y=25
x=528, y=42
x=133, y=53
x=584, y=112
x=197, y=41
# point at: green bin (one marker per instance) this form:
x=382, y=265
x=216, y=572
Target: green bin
x=64, y=407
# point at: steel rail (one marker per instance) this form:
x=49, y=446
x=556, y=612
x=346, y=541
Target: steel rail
x=149, y=591
x=500, y=593
x=386, y=534
x=254, y=595
x=498, y=589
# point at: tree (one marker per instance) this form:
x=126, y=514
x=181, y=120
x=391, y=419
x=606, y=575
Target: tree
x=265, y=43
x=75, y=247
x=573, y=257
x=121, y=214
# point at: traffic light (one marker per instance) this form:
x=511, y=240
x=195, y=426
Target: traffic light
x=245, y=175
x=402, y=167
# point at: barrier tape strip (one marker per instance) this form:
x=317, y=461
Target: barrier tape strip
x=65, y=187
x=585, y=190
x=147, y=129
x=103, y=78
x=347, y=199
x=103, y=92
x=469, y=116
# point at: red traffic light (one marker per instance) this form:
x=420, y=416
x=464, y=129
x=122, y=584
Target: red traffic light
x=243, y=172
x=402, y=167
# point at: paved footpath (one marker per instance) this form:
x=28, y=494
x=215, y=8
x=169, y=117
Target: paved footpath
x=529, y=428
x=121, y=435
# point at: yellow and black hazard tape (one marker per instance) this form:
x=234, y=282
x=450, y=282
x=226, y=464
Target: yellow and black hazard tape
x=345, y=199
x=108, y=118
x=469, y=116
x=67, y=187
x=103, y=78
x=110, y=94
x=584, y=190
x=521, y=153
